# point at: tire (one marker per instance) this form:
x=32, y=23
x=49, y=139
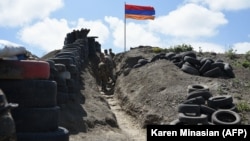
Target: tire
x=30, y=93
x=61, y=134
x=188, y=53
x=176, y=122
x=216, y=72
x=226, y=117
x=220, y=101
x=65, y=61
x=137, y=65
x=193, y=120
x=205, y=94
x=192, y=61
x=205, y=67
x=190, y=70
x=62, y=98
x=36, y=119
x=192, y=109
x=207, y=111
x=197, y=87
x=60, y=67
x=24, y=69
x=196, y=100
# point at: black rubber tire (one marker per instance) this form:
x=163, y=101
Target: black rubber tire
x=192, y=61
x=61, y=134
x=193, y=120
x=193, y=109
x=142, y=61
x=36, y=119
x=30, y=93
x=189, y=53
x=137, y=65
x=197, y=87
x=170, y=55
x=205, y=94
x=65, y=61
x=221, y=65
x=220, y=101
x=205, y=67
x=176, y=122
x=189, y=69
x=226, y=117
x=60, y=67
x=62, y=98
x=229, y=70
x=231, y=107
x=207, y=111
x=215, y=72
x=196, y=100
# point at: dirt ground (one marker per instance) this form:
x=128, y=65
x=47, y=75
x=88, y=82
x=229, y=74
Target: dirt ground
x=146, y=95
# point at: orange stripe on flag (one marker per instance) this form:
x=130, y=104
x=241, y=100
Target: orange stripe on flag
x=139, y=17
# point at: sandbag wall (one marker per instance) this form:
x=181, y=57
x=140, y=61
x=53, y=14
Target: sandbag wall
x=26, y=82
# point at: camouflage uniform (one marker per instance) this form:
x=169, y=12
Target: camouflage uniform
x=103, y=74
x=110, y=67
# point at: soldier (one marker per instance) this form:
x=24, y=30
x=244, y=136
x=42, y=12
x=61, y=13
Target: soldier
x=103, y=72
x=111, y=53
x=111, y=65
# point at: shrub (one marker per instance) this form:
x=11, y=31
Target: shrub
x=243, y=106
x=231, y=53
x=246, y=64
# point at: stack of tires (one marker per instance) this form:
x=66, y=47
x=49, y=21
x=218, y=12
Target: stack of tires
x=26, y=82
x=66, y=70
x=202, y=108
x=189, y=63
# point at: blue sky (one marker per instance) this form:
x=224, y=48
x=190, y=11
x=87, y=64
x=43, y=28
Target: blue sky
x=41, y=26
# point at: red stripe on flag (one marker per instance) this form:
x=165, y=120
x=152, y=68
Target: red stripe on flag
x=137, y=7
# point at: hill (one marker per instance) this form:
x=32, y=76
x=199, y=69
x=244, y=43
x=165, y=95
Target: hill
x=148, y=94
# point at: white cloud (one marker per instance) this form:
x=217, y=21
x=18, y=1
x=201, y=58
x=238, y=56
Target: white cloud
x=9, y=43
x=46, y=35
x=136, y=34
x=189, y=21
x=97, y=28
x=224, y=4
x=49, y=34
x=208, y=47
x=20, y=12
x=242, y=48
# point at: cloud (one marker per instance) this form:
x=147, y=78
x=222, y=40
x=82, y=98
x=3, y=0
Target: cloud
x=229, y=5
x=208, y=47
x=9, y=43
x=20, y=12
x=49, y=34
x=136, y=34
x=189, y=21
x=242, y=48
x=45, y=35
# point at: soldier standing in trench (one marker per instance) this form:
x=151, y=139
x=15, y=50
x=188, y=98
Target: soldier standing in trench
x=103, y=72
x=110, y=64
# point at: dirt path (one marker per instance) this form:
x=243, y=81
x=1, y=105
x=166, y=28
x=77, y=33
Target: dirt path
x=127, y=123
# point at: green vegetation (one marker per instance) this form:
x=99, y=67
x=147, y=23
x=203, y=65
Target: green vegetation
x=246, y=64
x=176, y=49
x=231, y=53
x=247, y=56
x=243, y=106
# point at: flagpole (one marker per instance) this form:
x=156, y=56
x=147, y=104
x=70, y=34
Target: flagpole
x=124, y=28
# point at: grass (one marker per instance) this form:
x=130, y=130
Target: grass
x=243, y=106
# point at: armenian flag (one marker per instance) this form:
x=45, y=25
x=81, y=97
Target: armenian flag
x=139, y=12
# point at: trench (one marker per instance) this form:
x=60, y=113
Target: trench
x=128, y=124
